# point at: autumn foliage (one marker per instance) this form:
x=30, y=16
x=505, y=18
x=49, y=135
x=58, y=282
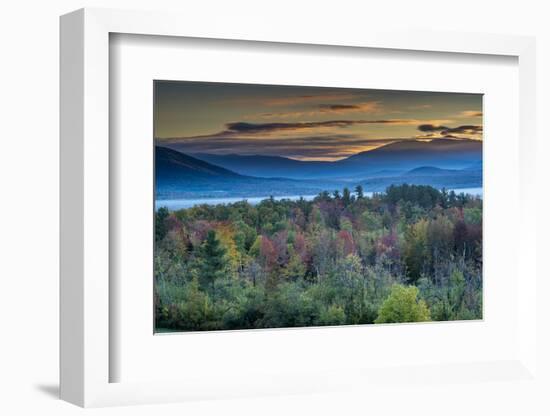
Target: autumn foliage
x=413, y=253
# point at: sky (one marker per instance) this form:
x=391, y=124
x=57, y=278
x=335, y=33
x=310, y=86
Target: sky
x=305, y=123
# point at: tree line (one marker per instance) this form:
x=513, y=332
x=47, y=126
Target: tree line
x=409, y=254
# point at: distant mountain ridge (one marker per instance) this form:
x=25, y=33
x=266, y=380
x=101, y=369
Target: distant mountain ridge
x=469, y=177
x=419, y=148
x=398, y=157
x=430, y=170
x=265, y=166
x=171, y=163
x=178, y=175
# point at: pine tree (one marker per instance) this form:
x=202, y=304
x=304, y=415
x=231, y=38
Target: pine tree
x=346, y=197
x=161, y=228
x=212, y=264
x=359, y=192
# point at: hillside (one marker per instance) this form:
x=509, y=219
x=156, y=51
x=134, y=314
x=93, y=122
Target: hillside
x=470, y=177
x=171, y=164
x=430, y=170
x=409, y=154
x=182, y=176
x=260, y=165
x=397, y=157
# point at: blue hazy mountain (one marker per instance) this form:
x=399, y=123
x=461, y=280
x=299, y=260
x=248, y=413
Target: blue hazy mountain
x=408, y=154
x=394, y=158
x=178, y=175
x=173, y=165
x=470, y=177
x=266, y=166
x=430, y=170
x=449, y=165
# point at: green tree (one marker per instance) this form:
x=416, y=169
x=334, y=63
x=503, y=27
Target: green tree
x=359, y=192
x=324, y=196
x=402, y=305
x=161, y=228
x=457, y=290
x=416, y=250
x=212, y=264
x=346, y=197
x=472, y=216
x=387, y=220
x=255, y=247
x=351, y=287
x=370, y=220
x=244, y=236
x=289, y=306
x=295, y=268
x=440, y=240
x=333, y=315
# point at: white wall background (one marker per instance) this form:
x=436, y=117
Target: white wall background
x=29, y=56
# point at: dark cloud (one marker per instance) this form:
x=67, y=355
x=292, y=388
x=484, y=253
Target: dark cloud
x=467, y=129
x=303, y=139
x=430, y=127
x=330, y=145
x=243, y=127
x=443, y=130
x=339, y=107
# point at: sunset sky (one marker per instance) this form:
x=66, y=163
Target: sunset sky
x=305, y=123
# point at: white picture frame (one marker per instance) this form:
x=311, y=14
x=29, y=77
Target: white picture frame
x=85, y=353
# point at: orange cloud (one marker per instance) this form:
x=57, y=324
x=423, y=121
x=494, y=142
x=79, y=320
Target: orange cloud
x=420, y=107
x=471, y=113
x=369, y=107
x=366, y=107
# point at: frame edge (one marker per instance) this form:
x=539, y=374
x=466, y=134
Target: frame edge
x=71, y=202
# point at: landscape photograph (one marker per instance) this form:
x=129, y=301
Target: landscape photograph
x=297, y=206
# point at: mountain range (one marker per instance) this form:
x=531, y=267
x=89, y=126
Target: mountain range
x=178, y=175
x=394, y=158
x=470, y=177
x=440, y=163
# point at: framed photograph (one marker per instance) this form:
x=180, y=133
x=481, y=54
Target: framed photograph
x=279, y=214
x=333, y=211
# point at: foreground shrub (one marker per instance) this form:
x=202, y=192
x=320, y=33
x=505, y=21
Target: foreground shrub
x=402, y=306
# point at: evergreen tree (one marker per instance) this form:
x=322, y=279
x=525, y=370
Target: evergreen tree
x=444, y=198
x=346, y=197
x=324, y=196
x=211, y=261
x=161, y=227
x=359, y=192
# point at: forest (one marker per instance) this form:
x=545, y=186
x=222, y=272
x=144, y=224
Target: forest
x=412, y=253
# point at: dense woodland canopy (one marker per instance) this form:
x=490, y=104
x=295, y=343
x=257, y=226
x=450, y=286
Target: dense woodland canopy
x=412, y=253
